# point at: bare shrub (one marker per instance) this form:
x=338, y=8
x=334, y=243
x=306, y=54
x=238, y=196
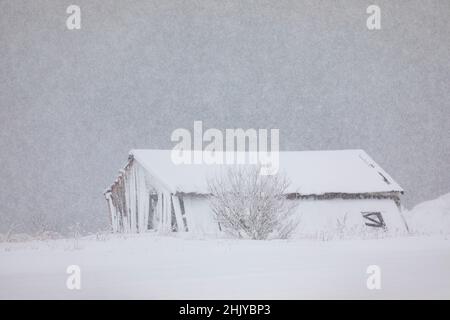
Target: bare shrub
x=40, y=224
x=250, y=205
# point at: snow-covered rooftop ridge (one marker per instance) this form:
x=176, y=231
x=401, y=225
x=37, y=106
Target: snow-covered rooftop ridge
x=310, y=172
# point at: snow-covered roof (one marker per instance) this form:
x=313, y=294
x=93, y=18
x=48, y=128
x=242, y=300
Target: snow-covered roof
x=310, y=172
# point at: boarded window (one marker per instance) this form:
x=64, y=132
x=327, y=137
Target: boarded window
x=374, y=219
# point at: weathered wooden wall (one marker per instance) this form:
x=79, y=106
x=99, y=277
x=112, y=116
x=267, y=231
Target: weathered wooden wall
x=129, y=203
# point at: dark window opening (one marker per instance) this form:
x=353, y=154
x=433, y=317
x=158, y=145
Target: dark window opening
x=153, y=202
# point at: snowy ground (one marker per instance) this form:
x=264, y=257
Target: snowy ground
x=153, y=267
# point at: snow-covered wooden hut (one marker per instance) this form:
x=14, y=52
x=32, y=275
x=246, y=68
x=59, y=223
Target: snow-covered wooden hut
x=335, y=189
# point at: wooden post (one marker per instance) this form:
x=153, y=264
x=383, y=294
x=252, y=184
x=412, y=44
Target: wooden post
x=178, y=214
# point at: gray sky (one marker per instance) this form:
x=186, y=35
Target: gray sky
x=73, y=103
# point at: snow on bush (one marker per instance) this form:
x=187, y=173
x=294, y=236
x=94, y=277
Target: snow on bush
x=250, y=205
x=430, y=217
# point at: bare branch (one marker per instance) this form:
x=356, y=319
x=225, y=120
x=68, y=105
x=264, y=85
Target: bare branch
x=247, y=204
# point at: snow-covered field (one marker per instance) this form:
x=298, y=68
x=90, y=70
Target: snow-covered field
x=154, y=267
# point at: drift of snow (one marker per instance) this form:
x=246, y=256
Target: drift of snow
x=430, y=217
